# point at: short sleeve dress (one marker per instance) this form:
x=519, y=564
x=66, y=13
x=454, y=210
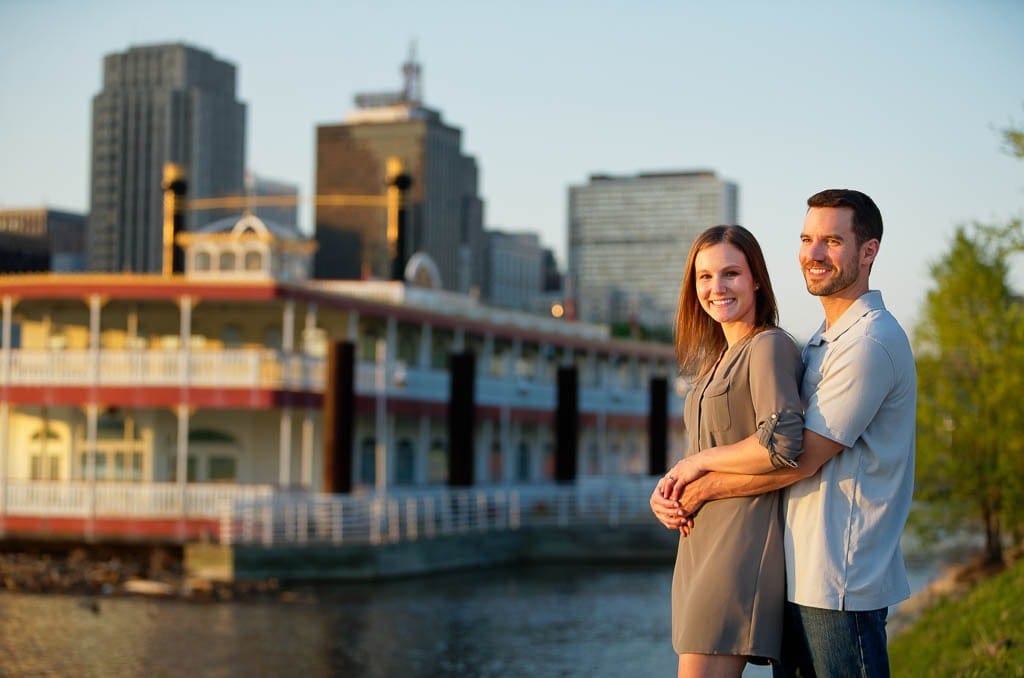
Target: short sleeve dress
x=728, y=587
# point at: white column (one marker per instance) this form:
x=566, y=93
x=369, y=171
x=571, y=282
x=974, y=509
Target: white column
x=311, y=314
x=182, y=457
x=508, y=457
x=94, y=321
x=91, y=417
x=284, y=464
x=288, y=328
x=308, y=432
x=186, y=341
x=380, y=421
x=284, y=470
x=5, y=380
x=512, y=359
x=92, y=413
x=482, y=453
x=423, y=451
x=132, y=325
x=391, y=336
x=307, y=336
x=424, y=360
x=94, y=337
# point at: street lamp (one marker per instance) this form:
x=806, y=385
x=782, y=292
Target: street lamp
x=399, y=183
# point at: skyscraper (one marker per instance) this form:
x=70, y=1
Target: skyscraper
x=41, y=239
x=445, y=214
x=515, y=268
x=159, y=104
x=284, y=214
x=629, y=237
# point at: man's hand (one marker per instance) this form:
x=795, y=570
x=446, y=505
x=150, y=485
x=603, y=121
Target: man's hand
x=693, y=497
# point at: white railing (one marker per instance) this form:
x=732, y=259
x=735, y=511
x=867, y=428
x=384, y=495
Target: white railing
x=342, y=519
x=259, y=514
x=127, y=500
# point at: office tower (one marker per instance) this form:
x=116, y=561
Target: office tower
x=444, y=216
x=629, y=237
x=286, y=211
x=159, y=104
x=41, y=239
x=514, y=270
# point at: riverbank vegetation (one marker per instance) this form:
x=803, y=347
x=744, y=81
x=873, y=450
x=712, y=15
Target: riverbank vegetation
x=976, y=629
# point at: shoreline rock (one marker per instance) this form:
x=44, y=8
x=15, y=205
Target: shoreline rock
x=97, y=571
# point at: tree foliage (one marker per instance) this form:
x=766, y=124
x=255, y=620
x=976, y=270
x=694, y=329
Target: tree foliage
x=970, y=358
x=1013, y=136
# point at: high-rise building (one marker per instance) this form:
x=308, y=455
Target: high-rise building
x=514, y=270
x=444, y=215
x=284, y=214
x=41, y=239
x=159, y=104
x=629, y=237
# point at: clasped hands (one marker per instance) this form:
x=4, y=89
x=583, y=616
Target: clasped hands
x=673, y=505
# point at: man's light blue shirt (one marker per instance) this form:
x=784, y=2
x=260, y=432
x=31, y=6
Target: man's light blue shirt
x=843, y=524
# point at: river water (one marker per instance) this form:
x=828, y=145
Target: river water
x=564, y=620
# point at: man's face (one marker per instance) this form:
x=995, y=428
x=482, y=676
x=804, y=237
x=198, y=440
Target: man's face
x=829, y=256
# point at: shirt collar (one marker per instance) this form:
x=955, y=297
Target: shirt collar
x=864, y=304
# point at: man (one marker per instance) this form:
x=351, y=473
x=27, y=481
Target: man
x=848, y=501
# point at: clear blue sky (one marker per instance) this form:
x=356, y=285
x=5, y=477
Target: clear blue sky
x=900, y=99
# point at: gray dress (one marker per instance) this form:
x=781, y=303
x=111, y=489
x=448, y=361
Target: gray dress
x=729, y=586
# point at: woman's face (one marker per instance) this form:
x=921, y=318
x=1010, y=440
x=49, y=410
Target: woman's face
x=725, y=286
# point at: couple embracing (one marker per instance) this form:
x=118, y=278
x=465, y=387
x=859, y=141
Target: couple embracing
x=798, y=476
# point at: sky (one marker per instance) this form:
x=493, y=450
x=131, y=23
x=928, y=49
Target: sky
x=901, y=99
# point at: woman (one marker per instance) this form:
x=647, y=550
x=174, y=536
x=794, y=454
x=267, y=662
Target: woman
x=743, y=415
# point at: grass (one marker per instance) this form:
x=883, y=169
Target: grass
x=980, y=633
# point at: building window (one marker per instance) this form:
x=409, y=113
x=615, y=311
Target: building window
x=523, y=465
x=203, y=261
x=272, y=337
x=221, y=469
x=253, y=261
x=227, y=261
x=368, y=462
x=405, y=463
x=231, y=336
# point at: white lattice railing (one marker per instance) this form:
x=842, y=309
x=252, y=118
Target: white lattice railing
x=126, y=500
x=262, y=515
x=343, y=519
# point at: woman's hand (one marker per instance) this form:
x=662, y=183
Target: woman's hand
x=682, y=474
x=666, y=508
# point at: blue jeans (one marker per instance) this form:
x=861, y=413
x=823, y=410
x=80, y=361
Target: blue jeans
x=833, y=643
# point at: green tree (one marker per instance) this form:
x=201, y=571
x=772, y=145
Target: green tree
x=970, y=357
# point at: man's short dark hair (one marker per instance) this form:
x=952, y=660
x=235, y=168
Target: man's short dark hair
x=867, y=219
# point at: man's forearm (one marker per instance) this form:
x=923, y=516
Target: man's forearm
x=714, y=485
x=711, y=486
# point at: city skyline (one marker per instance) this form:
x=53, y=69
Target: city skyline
x=904, y=103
